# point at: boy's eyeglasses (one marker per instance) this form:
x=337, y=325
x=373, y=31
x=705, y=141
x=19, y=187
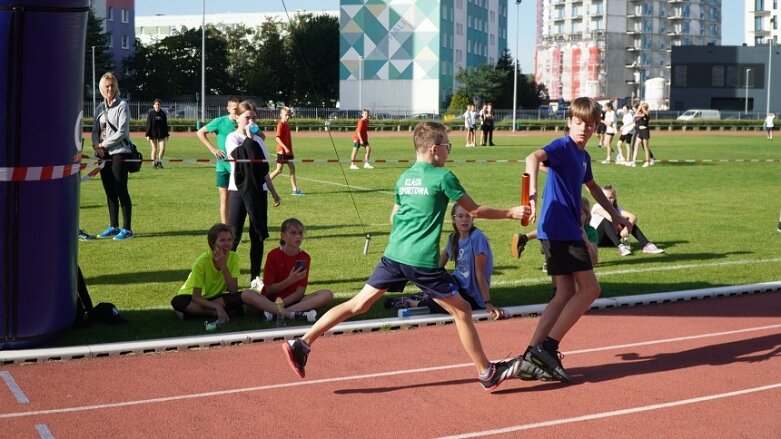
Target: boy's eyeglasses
x=448, y=145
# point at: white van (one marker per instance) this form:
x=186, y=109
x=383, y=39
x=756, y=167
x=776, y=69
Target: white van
x=700, y=114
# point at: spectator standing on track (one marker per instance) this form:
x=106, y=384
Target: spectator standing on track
x=470, y=251
x=286, y=276
x=111, y=142
x=211, y=288
x=248, y=186
x=769, y=124
x=223, y=126
x=361, y=139
x=470, y=121
x=157, y=133
x=487, y=124
x=609, y=234
x=285, y=150
x=561, y=234
x=412, y=254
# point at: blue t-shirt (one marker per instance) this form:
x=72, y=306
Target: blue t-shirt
x=568, y=169
x=468, y=248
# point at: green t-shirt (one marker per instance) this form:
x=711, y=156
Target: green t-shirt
x=204, y=275
x=423, y=193
x=223, y=126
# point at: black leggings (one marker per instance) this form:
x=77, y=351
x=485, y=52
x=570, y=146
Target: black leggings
x=114, y=176
x=237, y=213
x=607, y=234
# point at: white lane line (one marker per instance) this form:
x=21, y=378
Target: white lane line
x=21, y=398
x=615, y=413
x=43, y=431
x=346, y=378
x=361, y=188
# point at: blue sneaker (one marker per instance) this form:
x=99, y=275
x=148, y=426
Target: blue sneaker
x=298, y=192
x=110, y=231
x=123, y=234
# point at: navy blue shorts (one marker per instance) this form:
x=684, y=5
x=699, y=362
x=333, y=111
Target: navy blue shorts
x=393, y=276
x=565, y=257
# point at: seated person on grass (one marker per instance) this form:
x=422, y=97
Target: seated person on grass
x=470, y=251
x=212, y=288
x=286, y=275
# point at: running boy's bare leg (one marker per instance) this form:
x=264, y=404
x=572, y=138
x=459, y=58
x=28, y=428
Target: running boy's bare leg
x=565, y=290
x=359, y=304
x=584, y=288
x=461, y=312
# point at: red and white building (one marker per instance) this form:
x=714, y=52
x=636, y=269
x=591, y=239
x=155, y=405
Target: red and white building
x=610, y=48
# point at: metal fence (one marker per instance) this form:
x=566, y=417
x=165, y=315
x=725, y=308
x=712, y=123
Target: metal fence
x=192, y=110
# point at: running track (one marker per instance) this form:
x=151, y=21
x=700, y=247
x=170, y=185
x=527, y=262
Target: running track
x=705, y=369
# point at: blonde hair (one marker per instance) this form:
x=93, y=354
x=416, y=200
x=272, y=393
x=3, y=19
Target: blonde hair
x=108, y=76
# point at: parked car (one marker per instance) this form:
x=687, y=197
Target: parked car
x=700, y=114
x=429, y=116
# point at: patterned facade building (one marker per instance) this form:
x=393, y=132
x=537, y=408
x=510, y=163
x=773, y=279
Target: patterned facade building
x=118, y=23
x=404, y=54
x=618, y=48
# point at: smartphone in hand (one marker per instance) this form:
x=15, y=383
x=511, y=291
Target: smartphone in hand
x=300, y=265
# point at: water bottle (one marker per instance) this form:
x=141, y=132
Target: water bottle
x=254, y=128
x=416, y=311
x=280, y=312
x=213, y=326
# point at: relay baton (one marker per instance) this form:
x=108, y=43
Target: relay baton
x=525, y=195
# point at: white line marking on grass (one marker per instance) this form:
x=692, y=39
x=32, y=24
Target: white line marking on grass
x=348, y=378
x=350, y=186
x=21, y=398
x=615, y=413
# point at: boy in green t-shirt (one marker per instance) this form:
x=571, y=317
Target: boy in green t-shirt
x=422, y=196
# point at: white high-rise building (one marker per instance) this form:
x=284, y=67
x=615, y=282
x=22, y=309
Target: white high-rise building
x=610, y=48
x=762, y=22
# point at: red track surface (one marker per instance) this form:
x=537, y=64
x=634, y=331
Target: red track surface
x=694, y=369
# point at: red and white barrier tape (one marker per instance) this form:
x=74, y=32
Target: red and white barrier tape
x=40, y=173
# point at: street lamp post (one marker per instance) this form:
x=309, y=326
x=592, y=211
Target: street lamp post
x=769, y=70
x=203, y=62
x=94, y=104
x=360, y=82
x=515, y=77
x=745, y=110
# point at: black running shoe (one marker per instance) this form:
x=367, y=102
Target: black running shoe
x=529, y=372
x=547, y=362
x=519, y=244
x=395, y=303
x=500, y=371
x=84, y=236
x=297, y=352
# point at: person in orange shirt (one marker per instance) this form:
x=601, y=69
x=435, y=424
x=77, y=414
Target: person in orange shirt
x=285, y=150
x=361, y=138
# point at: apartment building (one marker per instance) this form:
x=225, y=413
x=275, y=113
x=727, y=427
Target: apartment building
x=761, y=22
x=618, y=48
x=118, y=17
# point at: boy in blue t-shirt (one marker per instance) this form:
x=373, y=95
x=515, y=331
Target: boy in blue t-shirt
x=561, y=237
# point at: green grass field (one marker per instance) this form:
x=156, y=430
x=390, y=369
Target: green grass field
x=716, y=221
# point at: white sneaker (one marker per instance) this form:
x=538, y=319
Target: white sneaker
x=256, y=284
x=619, y=159
x=311, y=316
x=367, y=166
x=605, y=162
x=624, y=250
x=267, y=316
x=647, y=164
x=353, y=166
x=651, y=248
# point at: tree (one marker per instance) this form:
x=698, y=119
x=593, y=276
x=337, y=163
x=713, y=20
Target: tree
x=274, y=79
x=103, y=62
x=314, y=44
x=484, y=82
